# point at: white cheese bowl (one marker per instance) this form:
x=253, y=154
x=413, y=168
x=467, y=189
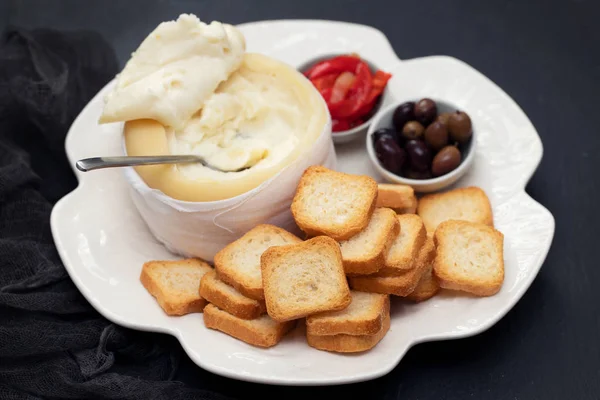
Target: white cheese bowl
x=201, y=229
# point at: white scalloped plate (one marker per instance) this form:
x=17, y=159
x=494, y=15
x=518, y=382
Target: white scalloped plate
x=103, y=241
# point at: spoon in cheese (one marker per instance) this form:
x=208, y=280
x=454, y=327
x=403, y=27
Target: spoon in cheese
x=90, y=164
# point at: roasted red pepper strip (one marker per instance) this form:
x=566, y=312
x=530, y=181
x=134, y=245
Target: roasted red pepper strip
x=311, y=69
x=338, y=125
x=326, y=94
x=324, y=82
x=380, y=80
x=356, y=122
x=348, y=106
x=342, y=86
x=366, y=109
x=320, y=64
x=358, y=95
x=335, y=65
x=368, y=105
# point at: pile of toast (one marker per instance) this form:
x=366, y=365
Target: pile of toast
x=363, y=242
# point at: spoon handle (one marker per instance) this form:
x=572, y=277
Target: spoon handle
x=90, y=164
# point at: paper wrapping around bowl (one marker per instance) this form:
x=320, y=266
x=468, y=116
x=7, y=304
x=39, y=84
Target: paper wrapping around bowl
x=196, y=229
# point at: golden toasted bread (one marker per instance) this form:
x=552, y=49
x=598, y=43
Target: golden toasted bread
x=427, y=287
x=470, y=257
x=332, y=203
x=400, y=285
x=343, y=343
x=465, y=204
x=364, y=316
x=400, y=198
x=261, y=332
x=174, y=284
x=403, y=252
x=365, y=252
x=238, y=263
x=304, y=278
x=228, y=299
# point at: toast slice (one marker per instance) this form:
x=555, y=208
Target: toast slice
x=401, y=285
x=238, y=263
x=427, y=287
x=304, y=278
x=400, y=198
x=470, y=257
x=465, y=204
x=228, y=299
x=364, y=253
x=364, y=316
x=403, y=252
x=343, y=343
x=261, y=332
x=332, y=203
x=174, y=284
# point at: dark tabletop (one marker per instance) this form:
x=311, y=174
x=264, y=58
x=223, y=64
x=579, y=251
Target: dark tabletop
x=546, y=55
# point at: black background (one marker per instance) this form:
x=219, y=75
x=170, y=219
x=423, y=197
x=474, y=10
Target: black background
x=546, y=55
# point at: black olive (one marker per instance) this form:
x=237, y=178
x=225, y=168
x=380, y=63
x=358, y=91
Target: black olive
x=425, y=111
x=380, y=133
x=419, y=155
x=403, y=113
x=390, y=154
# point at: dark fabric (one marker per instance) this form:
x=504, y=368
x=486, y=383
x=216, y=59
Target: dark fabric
x=52, y=343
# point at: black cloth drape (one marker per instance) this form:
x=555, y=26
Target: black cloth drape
x=53, y=344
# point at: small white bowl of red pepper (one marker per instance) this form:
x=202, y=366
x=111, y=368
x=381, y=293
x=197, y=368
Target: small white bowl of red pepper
x=353, y=89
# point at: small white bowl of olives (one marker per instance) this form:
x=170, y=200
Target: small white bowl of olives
x=426, y=144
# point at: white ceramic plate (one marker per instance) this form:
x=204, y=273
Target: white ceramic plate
x=103, y=242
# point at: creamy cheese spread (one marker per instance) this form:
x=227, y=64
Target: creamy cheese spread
x=190, y=88
x=253, y=117
x=175, y=69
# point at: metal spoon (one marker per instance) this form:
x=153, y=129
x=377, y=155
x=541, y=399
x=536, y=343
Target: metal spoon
x=90, y=164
